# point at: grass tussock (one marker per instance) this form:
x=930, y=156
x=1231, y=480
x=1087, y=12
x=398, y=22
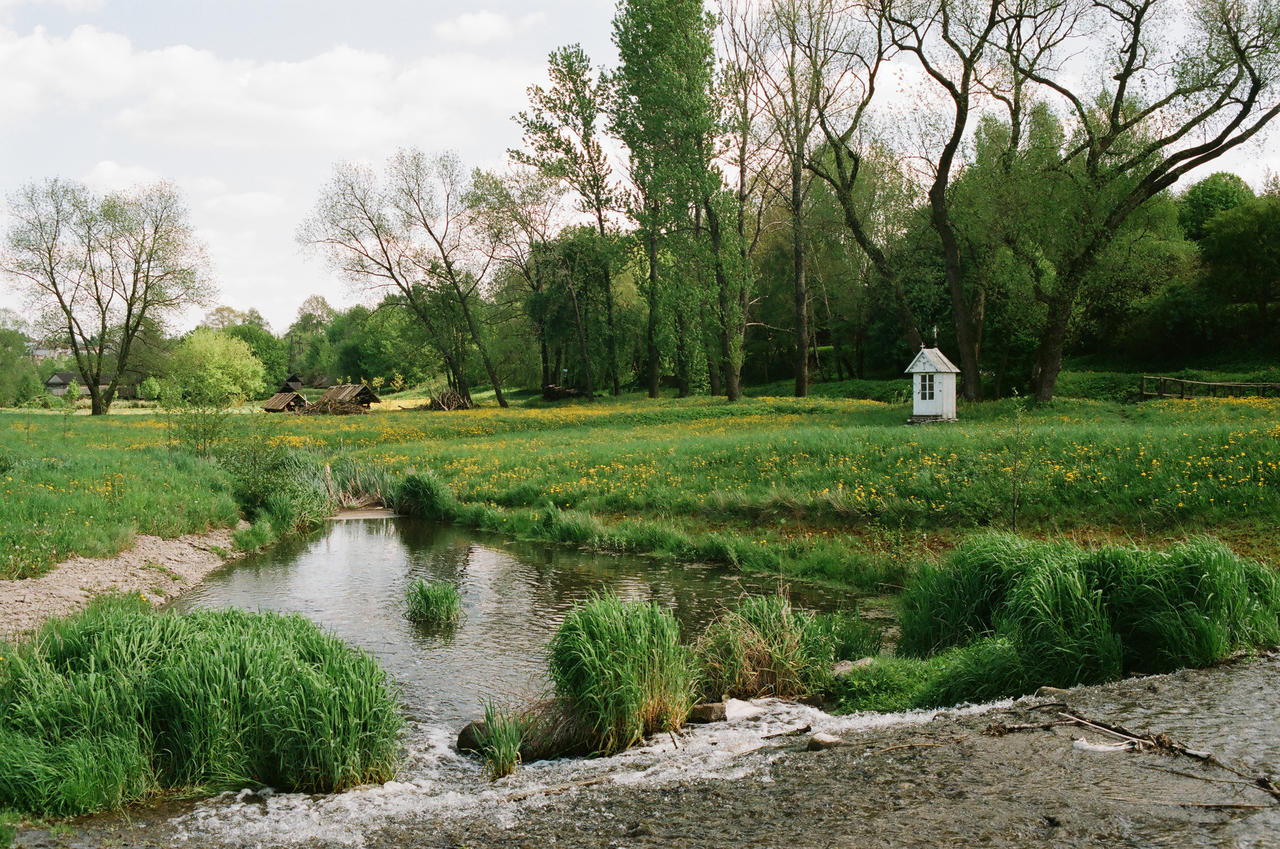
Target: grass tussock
x=105, y=707
x=500, y=738
x=620, y=669
x=765, y=647
x=1048, y=614
x=434, y=604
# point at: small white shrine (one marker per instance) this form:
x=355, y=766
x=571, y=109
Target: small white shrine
x=933, y=387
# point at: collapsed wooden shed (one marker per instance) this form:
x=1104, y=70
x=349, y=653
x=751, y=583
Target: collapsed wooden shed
x=285, y=402
x=346, y=398
x=292, y=383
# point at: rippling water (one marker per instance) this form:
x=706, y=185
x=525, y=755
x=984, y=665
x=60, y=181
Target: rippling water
x=352, y=580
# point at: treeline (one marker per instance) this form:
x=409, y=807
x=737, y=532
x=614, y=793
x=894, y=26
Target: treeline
x=774, y=190
x=758, y=193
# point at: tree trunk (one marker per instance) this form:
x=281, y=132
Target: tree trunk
x=730, y=365
x=651, y=331
x=797, y=270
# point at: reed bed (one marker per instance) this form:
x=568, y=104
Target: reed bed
x=116, y=703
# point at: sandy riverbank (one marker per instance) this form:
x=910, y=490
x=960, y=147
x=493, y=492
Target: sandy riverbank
x=158, y=568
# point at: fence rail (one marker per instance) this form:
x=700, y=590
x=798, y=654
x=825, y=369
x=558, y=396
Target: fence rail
x=1177, y=387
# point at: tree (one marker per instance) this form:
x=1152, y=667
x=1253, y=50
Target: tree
x=214, y=369
x=97, y=269
x=662, y=112
x=1216, y=193
x=415, y=235
x=1242, y=249
x=563, y=142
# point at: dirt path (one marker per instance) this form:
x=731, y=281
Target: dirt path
x=159, y=568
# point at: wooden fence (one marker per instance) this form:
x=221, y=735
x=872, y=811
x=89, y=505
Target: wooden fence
x=1177, y=387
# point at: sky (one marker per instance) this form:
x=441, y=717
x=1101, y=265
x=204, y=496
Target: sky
x=247, y=105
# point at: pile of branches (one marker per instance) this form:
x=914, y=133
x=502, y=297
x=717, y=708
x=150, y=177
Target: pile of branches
x=448, y=400
x=330, y=407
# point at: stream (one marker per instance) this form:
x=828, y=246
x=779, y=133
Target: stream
x=923, y=778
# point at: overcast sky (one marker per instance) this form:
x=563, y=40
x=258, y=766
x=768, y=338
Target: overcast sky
x=247, y=104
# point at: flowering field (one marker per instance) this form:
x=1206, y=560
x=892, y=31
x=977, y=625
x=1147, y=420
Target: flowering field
x=842, y=475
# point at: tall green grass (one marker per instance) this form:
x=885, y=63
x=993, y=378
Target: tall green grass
x=1008, y=616
x=102, y=708
x=500, y=738
x=622, y=672
x=765, y=647
x=435, y=604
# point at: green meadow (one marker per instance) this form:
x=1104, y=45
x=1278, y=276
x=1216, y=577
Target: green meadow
x=828, y=489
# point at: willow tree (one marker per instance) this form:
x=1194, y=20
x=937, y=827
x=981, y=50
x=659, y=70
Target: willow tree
x=98, y=270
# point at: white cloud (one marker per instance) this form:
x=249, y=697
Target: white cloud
x=472, y=29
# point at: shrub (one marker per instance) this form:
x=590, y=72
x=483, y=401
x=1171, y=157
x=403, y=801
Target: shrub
x=762, y=647
x=434, y=604
x=1019, y=615
x=108, y=705
x=621, y=671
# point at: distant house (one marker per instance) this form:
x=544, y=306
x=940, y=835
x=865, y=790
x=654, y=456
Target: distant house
x=292, y=383
x=285, y=402
x=59, y=381
x=322, y=382
x=348, y=393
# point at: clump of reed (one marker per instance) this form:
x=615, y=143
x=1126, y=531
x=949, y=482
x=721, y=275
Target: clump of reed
x=102, y=708
x=1008, y=616
x=620, y=670
x=766, y=647
x=500, y=738
x=435, y=604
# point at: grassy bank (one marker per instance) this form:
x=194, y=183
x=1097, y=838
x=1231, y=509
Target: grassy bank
x=826, y=489
x=117, y=703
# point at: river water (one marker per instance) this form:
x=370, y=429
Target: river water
x=916, y=779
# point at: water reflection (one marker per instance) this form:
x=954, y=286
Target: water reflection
x=352, y=577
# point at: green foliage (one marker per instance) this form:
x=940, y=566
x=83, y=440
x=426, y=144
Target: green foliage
x=621, y=671
x=275, y=481
x=117, y=702
x=1242, y=249
x=425, y=495
x=214, y=369
x=1204, y=200
x=500, y=738
x=1007, y=616
x=435, y=604
x=765, y=647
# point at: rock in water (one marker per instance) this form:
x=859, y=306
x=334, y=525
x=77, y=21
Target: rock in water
x=708, y=712
x=469, y=736
x=738, y=709
x=820, y=741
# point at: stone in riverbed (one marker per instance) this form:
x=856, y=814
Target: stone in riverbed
x=819, y=741
x=708, y=712
x=845, y=667
x=469, y=736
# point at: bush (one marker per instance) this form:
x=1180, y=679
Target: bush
x=621, y=671
x=765, y=647
x=116, y=702
x=275, y=481
x=435, y=604
x=952, y=605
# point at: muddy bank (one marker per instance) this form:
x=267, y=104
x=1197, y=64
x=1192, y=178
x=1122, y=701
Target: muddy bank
x=920, y=780
x=159, y=568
